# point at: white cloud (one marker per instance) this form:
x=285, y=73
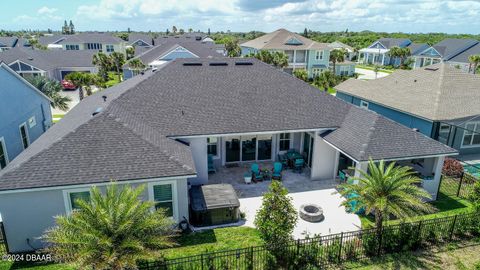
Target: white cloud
x=46, y=10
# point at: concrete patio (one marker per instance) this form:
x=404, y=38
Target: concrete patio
x=301, y=189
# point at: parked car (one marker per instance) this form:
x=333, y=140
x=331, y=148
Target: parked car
x=68, y=85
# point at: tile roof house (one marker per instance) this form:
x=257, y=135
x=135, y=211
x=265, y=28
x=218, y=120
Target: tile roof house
x=158, y=128
x=24, y=114
x=54, y=64
x=453, y=50
x=303, y=53
x=430, y=99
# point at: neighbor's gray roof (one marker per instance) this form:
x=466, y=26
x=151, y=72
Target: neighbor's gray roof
x=92, y=38
x=417, y=47
x=450, y=47
x=437, y=92
x=49, y=59
x=392, y=42
x=201, y=49
x=54, y=39
x=337, y=44
x=463, y=57
x=144, y=114
x=133, y=37
x=8, y=41
x=278, y=38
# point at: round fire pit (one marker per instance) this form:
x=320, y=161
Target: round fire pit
x=311, y=213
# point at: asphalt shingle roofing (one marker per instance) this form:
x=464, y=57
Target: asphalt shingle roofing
x=437, y=92
x=450, y=47
x=278, y=40
x=133, y=136
x=91, y=38
x=393, y=42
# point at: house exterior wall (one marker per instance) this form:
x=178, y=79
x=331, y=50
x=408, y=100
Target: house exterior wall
x=57, y=73
x=198, y=147
x=325, y=160
x=18, y=104
x=26, y=215
x=410, y=121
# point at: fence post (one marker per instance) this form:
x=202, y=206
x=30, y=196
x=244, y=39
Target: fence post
x=453, y=227
x=340, y=248
x=440, y=184
x=460, y=184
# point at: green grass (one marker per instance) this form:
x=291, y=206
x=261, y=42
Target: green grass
x=58, y=115
x=32, y=266
x=112, y=79
x=371, y=68
x=214, y=240
x=446, y=206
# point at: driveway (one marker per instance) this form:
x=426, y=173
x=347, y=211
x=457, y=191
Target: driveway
x=336, y=218
x=367, y=74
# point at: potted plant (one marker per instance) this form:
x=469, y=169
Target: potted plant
x=247, y=177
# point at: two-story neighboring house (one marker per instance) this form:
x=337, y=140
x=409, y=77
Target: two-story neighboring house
x=104, y=42
x=303, y=53
x=24, y=114
x=439, y=101
x=378, y=53
x=452, y=50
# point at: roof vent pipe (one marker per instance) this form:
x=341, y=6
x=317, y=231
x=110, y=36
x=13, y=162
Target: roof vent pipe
x=104, y=98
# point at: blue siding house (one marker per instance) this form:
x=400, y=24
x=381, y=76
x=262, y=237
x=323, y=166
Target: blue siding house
x=24, y=114
x=439, y=101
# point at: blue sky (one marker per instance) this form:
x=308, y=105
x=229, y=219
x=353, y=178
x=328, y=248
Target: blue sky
x=456, y=16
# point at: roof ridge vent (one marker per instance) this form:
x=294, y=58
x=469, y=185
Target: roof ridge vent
x=219, y=64
x=192, y=64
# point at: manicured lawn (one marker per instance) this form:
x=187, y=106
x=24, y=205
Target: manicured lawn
x=32, y=266
x=446, y=206
x=372, y=68
x=57, y=117
x=453, y=256
x=112, y=79
x=214, y=240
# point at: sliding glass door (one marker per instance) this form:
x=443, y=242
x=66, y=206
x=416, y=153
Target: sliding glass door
x=248, y=148
x=308, y=148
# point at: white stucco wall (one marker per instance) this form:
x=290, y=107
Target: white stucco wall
x=200, y=157
x=325, y=160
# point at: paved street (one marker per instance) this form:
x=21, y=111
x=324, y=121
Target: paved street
x=369, y=74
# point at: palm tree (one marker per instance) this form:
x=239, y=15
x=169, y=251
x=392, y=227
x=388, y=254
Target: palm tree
x=104, y=64
x=130, y=52
x=232, y=47
x=264, y=56
x=301, y=74
x=280, y=59
x=52, y=89
x=136, y=65
x=111, y=231
x=325, y=80
x=475, y=61
x=118, y=59
x=386, y=190
x=401, y=53
x=337, y=56
x=81, y=80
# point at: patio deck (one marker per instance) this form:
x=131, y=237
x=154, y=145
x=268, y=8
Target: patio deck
x=293, y=181
x=301, y=189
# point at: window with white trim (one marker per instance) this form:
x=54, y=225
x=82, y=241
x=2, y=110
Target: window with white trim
x=71, y=47
x=212, y=146
x=284, y=142
x=363, y=104
x=471, y=135
x=3, y=154
x=318, y=55
x=163, y=198
x=24, y=135
x=109, y=48
x=75, y=196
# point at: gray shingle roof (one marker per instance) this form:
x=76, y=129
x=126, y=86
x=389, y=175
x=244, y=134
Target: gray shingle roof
x=277, y=40
x=129, y=139
x=8, y=41
x=437, y=92
x=54, y=39
x=91, y=38
x=133, y=37
x=49, y=59
x=450, y=47
x=417, y=47
x=463, y=57
x=393, y=42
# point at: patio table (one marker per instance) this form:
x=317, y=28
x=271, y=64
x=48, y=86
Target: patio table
x=292, y=156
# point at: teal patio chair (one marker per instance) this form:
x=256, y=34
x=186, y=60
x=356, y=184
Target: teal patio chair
x=299, y=163
x=284, y=160
x=277, y=171
x=342, y=176
x=211, y=166
x=257, y=175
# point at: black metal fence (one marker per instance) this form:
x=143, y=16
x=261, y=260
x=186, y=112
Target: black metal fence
x=334, y=249
x=459, y=186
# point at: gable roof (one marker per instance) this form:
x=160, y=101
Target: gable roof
x=392, y=42
x=146, y=113
x=450, y=47
x=49, y=59
x=337, y=44
x=40, y=93
x=8, y=41
x=437, y=92
x=134, y=37
x=463, y=56
x=279, y=40
x=91, y=38
x=53, y=39
x=416, y=48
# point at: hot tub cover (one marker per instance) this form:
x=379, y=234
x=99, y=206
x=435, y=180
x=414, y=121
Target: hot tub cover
x=213, y=196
